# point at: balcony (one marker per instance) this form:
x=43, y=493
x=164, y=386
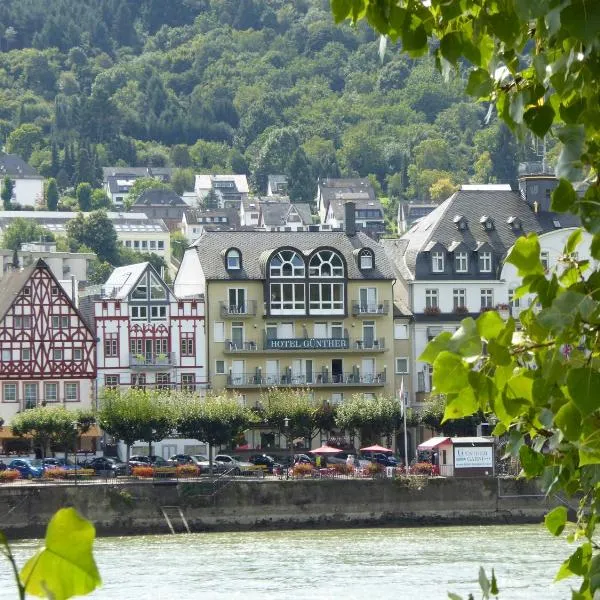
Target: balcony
x=235, y=311
x=314, y=380
x=152, y=361
x=319, y=345
x=366, y=309
x=232, y=347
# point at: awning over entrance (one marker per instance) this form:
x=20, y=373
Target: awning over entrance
x=432, y=443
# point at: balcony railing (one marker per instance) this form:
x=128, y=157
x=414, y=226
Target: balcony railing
x=245, y=309
x=288, y=379
x=370, y=309
x=152, y=360
x=232, y=347
x=269, y=345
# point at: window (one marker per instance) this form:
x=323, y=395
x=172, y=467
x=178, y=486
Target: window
x=152, y=244
x=158, y=312
x=400, y=331
x=60, y=322
x=286, y=263
x=337, y=331
x=127, y=243
x=485, y=262
x=188, y=382
x=51, y=392
x=545, y=259
x=402, y=366
x=77, y=353
x=237, y=334
x=326, y=264
x=160, y=245
x=366, y=260
x=220, y=367
x=162, y=380
x=30, y=394
x=337, y=398
x=219, y=331
x=25, y=354
x=512, y=301
x=368, y=300
x=111, y=381
x=72, y=392
x=286, y=297
x=144, y=245
x=57, y=354
x=140, y=292
x=487, y=298
x=157, y=290
x=54, y=290
x=22, y=322
x=461, y=262
x=139, y=312
x=237, y=301
x=9, y=392
x=460, y=298
x=111, y=348
x=27, y=290
x=437, y=262
x=187, y=344
x=6, y=354
x=161, y=345
x=136, y=244
x=326, y=297
x=233, y=259
x=431, y=299
x=138, y=381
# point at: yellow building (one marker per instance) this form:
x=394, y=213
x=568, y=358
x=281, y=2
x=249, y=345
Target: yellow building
x=294, y=309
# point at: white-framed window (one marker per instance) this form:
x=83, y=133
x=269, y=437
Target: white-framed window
x=25, y=354
x=431, y=299
x=459, y=297
x=160, y=245
x=461, y=262
x=545, y=259
x=188, y=382
x=337, y=398
x=163, y=380
x=77, y=354
x=111, y=348
x=144, y=245
x=512, y=301
x=111, y=381
x=136, y=244
x=9, y=392
x=127, y=243
x=220, y=367
x=326, y=298
x=60, y=321
x=187, y=344
x=152, y=244
x=6, y=354
x=287, y=297
x=72, y=391
x=326, y=263
x=487, y=298
x=236, y=301
x=237, y=334
x=30, y=394
x=158, y=312
x=485, y=262
x=50, y=391
x=219, y=331
x=22, y=322
x=286, y=263
x=139, y=312
x=402, y=365
x=233, y=259
x=437, y=262
x=400, y=331
x=366, y=260
x=57, y=354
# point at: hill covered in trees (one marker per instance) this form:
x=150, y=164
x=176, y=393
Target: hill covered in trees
x=255, y=86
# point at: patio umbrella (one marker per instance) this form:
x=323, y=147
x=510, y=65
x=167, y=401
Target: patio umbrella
x=325, y=450
x=376, y=448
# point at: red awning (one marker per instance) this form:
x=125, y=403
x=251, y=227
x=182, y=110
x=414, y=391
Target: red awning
x=377, y=448
x=325, y=450
x=434, y=442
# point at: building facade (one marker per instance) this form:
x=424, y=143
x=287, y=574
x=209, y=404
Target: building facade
x=28, y=183
x=230, y=190
x=47, y=348
x=146, y=336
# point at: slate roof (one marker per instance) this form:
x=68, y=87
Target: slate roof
x=206, y=182
x=122, y=280
x=195, y=216
x=472, y=203
x=255, y=245
x=159, y=197
x=362, y=201
x=135, y=172
x=275, y=214
x=14, y=166
x=331, y=189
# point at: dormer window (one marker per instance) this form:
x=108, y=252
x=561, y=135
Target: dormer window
x=485, y=262
x=234, y=259
x=487, y=223
x=461, y=262
x=514, y=223
x=460, y=222
x=366, y=259
x=437, y=262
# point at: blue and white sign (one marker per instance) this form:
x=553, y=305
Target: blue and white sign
x=468, y=457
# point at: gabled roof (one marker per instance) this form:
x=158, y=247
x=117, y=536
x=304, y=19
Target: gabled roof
x=354, y=189
x=14, y=166
x=206, y=182
x=135, y=172
x=361, y=201
x=197, y=217
x=159, y=197
x=275, y=214
x=122, y=280
x=255, y=245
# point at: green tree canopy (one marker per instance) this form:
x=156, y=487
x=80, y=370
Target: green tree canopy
x=51, y=194
x=21, y=231
x=8, y=186
x=96, y=232
x=141, y=185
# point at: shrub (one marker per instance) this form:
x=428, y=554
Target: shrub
x=9, y=475
x=143, y=472
x=374, y=468
x=343, y=469
x=422, y=468
x=302, y=470
x=188, y=471
x=55, y=473
x=80, y=473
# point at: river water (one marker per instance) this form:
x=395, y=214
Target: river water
x=398, y=563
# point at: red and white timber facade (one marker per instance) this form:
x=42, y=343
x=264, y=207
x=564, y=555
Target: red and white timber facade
x=48, y=352
x=146, y=336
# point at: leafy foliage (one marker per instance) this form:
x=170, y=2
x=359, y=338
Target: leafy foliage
x=21, y=231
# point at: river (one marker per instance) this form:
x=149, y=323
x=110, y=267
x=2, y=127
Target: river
x=376, y=564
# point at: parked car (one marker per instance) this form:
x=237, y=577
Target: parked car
x=60, y=463
x=232, y=464
x=267, y=462
x=2, y=466
x=29, y=468
x=187, y=459
x=303, y=459
x=387, y=460
x=108, y=465
x=339, y=458
x=141, y=460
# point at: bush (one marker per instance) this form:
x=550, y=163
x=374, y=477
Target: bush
x=374, y=469
x=78, y=473
x=188, y=471
x=422, y=468
x=343, y=469
x=9, y=475
x=143, y=472
x=302, y=470
x=55, y=473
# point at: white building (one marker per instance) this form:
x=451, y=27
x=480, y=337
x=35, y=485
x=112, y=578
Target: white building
x=231, y=190
x=118, y=181
x=29, y=185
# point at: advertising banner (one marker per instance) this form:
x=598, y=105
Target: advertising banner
x=467, y=457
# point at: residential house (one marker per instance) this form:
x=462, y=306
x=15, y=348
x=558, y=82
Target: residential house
x=277, y=185
x=195, y=221
x=342, y=190
x=230, y=190
x=409, y=213
x=118, y=181
x=48, y=351
x=161, y=204
x=296, y=309
x=284, y=216
x=28, y=183
x=368, y=214
x=450, y=263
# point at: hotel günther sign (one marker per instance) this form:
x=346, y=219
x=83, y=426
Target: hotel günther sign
x=307, y=344
x=466, y=457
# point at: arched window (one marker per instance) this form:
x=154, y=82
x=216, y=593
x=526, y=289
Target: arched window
x=326, y=264
x=233, y=259
x=286, y=263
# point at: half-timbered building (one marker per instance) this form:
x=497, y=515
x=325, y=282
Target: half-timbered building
x=48, y=353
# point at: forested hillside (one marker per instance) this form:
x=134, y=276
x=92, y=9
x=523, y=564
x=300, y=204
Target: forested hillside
x=256, y=86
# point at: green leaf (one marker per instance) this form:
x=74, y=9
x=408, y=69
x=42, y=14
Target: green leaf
x=449, y=373
x=519, y=387
x=484, y=389
x=568, y=420
x=556, y=520
x=539, y=119
x=531, y=461
x=451, y=46
x=466, y=341
x=498, y=353
x=452, y=596
x=494, y=585
x=564, y=197
x=525, y=255
x=484, y=583
x=577, y=563
x=490, y=325
x=480, y=84
x=341, y=9
x=584, y=386
x=414, y=36
x=435, y=346
x=569, y=161
x=65, y=567
x=462, y=405
x=581, y=19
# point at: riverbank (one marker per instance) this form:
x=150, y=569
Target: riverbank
x=239, y=505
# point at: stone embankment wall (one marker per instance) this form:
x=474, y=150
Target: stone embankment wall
x=135, y=508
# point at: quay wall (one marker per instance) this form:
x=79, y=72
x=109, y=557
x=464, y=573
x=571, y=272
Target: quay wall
x=136, y=507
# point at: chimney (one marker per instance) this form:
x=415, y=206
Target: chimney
x=349, y=218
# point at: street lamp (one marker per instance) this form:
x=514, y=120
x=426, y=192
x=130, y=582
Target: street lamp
x=286, y=423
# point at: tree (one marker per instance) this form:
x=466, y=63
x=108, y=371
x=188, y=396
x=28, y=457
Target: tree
x=483, y=169
x=442, y=189
x=96, y=232
x=140, y=186
x=211, y=200
x=99, y=272
x=182, y=181
x=301, y=184
x=550, y=413
x=432, y=416
x=214, y=419
x=84, y=196
x=8, y=186
x=23, y=140
x=21, y=231
x=51, y=194
x=100, y=200
x=178, y=244
x=180, y=156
